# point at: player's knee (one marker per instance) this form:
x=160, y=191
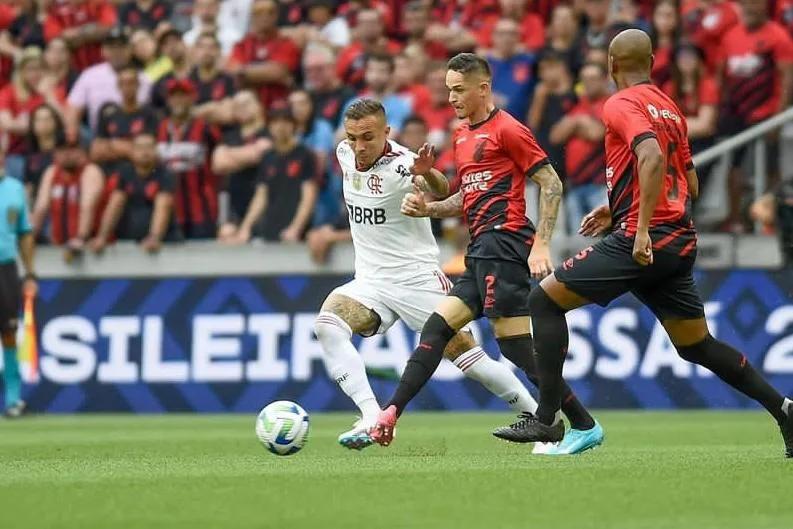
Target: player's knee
x=330, y=328
x=463, y=341
x=541, y=304
x=436, y=328
x=695, y=352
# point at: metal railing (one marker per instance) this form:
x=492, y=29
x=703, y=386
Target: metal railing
x=755, y=134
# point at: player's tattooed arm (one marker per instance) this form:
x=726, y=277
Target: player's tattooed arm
x=434, y=182
x=450, y=207
x=550, y=197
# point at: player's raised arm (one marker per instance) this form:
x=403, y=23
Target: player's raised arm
x=426, y=176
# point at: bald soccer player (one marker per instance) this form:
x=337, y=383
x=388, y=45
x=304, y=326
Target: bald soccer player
x=649, y=252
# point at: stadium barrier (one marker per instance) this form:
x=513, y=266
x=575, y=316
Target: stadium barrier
x=232, y=344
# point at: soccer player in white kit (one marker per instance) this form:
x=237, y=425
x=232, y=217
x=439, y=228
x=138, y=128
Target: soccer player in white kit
x=396, y=268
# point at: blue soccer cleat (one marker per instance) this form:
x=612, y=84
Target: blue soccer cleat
x=358, y=437
x=578, y=441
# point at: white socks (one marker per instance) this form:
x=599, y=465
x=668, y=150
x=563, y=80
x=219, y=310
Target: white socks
x=496, y=377
x=344, y=363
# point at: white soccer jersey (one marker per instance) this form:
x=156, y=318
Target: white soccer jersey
x=389, y=246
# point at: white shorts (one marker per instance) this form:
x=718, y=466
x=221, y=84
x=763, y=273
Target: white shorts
x=411, y=302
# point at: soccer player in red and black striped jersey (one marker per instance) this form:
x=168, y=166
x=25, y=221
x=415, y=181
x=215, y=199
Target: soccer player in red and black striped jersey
x=494, y=155
x=650, y=251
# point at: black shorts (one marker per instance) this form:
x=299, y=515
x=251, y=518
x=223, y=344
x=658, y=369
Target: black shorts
x=607, y=270
x=10, y=297
x=494, y=288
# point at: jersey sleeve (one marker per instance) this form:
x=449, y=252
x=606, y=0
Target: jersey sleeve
x=628, y=121
x=522, y=148
x=167, y=182
x=309, y=170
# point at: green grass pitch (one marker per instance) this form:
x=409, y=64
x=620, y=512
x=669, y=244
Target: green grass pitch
x=704, y=470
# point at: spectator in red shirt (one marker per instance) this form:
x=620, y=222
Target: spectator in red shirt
x=147, y=14
x=329, y=94
x=8, y=49
x=697, y=96
x=215, y=87
x=264, y=60
x=83, y=24
x=531, y=27
x=757, y=83
x=70, y=195
x=562, y=34
x=784, y=14
x=18, y=100
x=185, y=147
x=417, y=22
x=665, y=34
x=581, y=131
x=407, y=82
x=369, y=38
x=438, y=113
x=707, y=22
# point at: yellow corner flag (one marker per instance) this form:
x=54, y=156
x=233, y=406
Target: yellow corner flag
x=29, y=352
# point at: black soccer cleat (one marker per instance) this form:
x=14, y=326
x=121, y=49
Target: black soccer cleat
x=786, y=427
x=529, y=429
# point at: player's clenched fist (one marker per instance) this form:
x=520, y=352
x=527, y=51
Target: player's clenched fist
x=643, y=248
x=414, y=205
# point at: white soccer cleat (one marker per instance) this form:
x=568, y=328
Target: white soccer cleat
x=543, y=448
x=358, y=437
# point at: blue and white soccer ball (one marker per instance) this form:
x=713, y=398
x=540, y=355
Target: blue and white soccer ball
x=282, y=427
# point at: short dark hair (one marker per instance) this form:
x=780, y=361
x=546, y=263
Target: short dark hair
x=468, y=63
x=364, y=107
x=414, y=119
x=382, y=58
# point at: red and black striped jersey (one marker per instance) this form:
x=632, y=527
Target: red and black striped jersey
x=632, y=116
x=493, y=159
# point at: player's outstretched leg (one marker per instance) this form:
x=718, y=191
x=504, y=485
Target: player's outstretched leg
x=14, y=405
x=477, y=365
x=334, y=330
x=585, y=432
x=438, y=331
x=733, y=368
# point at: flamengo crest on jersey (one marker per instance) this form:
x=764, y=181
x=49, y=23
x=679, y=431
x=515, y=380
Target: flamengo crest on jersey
x=388, y=245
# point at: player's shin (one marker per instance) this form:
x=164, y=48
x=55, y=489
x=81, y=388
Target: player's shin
x=734, y=369
x=343, y=362
x=11, y=377
x=520, y=351
x=496, y=377
x=550, y=346
x=435, y=336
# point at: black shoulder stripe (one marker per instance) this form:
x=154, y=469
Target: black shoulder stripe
x=537, y=166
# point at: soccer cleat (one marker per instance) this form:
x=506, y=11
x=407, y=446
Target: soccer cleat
x=358, y=437
x=529, y=429
x=786, y=427
x=543, y=448
x=15, y=411
x=578, y=441
x=382, y=432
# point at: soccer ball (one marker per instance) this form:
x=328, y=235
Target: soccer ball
x=282, y=427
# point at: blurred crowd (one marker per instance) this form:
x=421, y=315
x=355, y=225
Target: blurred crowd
x=158, y=121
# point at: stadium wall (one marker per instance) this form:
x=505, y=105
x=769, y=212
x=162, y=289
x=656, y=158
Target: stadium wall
x=233, y=343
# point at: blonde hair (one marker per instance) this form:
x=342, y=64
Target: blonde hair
x=28, y=55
